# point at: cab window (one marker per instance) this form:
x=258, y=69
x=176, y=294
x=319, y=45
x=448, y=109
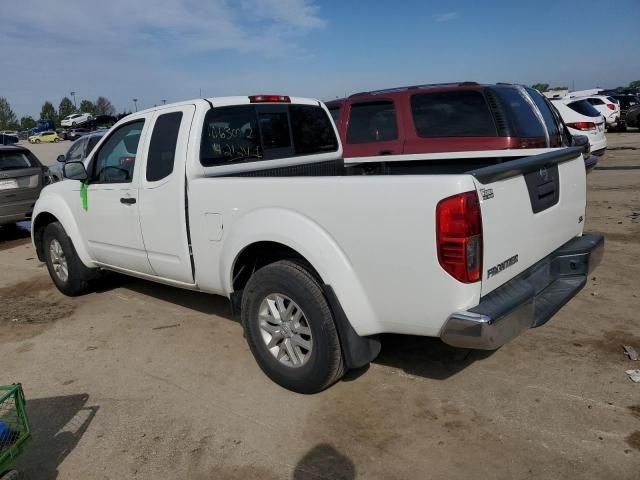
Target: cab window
x=115, y=161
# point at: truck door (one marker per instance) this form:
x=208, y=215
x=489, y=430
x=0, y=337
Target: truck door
x=111, y=220
x=163, y=209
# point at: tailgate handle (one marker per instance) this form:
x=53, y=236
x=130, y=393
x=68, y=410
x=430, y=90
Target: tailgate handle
x=128, y=200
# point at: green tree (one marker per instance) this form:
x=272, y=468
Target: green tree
x=27, y=122
x=541, y=87
x=104, y=107
x=87, y=106
x=66, y=108
x=48, y=112
x=8, y=119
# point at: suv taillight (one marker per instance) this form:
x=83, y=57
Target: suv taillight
x=611, y=106
x=459, y=236
x=582, y=126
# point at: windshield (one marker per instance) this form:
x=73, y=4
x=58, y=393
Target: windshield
x=15, y=160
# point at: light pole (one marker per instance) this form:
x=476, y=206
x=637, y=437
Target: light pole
x=73, y=94
x=164, y=102
x=135, y=103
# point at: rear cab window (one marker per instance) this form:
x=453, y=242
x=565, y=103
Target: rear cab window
x=452, y=114
x=246, y=133
x=162, y=148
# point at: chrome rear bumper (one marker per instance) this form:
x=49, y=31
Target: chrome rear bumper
x=528, y=300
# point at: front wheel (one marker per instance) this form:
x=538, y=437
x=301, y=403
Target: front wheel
x=66, y=269
x=37, y=141
x=56, y=140
x=290, y=328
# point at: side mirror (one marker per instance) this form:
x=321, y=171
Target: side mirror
x=75, y=171
x=582, y=141
x=60, y=158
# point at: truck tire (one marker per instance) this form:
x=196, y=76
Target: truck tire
x=290, y=328
x=66, y=269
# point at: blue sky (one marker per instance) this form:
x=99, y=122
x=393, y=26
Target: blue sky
x=173, y=49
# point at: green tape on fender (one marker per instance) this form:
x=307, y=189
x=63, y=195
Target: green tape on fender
x=83, y=195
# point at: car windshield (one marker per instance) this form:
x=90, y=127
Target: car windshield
x=15, y=160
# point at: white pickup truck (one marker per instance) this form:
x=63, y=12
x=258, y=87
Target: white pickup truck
x=250, y=198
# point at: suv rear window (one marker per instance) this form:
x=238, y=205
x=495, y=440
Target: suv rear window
x=372, y=122
x=523, y=119
x=335, y=113
x=595, y=101
x=255, y=132
x=452, y=114
x=15, y=160
x=584, y=107
x=547, y=115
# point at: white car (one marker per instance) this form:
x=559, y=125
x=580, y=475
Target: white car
x=581, y=118
x=609, y=109
x=76, y=119
x=251, y=198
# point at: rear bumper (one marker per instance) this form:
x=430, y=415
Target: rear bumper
x=528, y=300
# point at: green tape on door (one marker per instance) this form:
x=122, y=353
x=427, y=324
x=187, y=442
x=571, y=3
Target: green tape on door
x=83, y=195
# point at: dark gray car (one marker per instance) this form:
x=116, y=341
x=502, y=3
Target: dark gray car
x=22, y=176
x=77, y=152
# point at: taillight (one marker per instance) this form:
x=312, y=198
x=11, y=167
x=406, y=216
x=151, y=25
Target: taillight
x=582, y=125
x=540, y=142
x=459, y=236
x=269, y=99
x=611, y=106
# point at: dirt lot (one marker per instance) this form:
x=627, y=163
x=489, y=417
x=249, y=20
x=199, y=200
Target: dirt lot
x=143, y=381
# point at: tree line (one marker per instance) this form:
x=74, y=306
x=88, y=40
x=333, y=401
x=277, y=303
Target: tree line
x=9, y=120
x=633, y=86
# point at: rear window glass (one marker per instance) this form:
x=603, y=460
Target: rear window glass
x=523, y=119
x=162, y=148
x=335, y=113
x=547, y=115
x=595, y=101
x=452, y=114
x=312, y=130
x=249, y=132
x=583, y=107
x=14, y=160
x=372, y=122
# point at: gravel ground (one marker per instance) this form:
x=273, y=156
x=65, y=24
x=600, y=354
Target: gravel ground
x=143, y=381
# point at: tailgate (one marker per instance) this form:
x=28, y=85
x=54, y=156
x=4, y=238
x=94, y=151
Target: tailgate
x=530, y=207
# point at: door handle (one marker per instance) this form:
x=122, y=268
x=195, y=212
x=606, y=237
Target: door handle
x=386, y=152
x=128, y=200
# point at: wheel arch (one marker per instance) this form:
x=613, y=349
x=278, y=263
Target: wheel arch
x=57, y=211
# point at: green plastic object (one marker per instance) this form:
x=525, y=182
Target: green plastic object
x=83, y=196
x=15, y=432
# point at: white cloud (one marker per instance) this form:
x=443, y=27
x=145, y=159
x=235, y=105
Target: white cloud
x=446, y=17
x=138, y=44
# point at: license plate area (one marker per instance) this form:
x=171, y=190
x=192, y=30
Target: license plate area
x=544, y=187
x=8, y=184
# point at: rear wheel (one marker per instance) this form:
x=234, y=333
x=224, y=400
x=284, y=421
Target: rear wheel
x=37, y=140
x=66, y=269
x=290, y=328
x=56, y=140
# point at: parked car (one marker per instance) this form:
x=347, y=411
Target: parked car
x=633, y=116
x=8, y=137
x=77, y=152
x=608, y=109
x=251, y=198
x=443, y=118
x=22, y=176
x=45, y=137
x=581, y=118
x=42, y=125
x=23, y=134
x=76, y=119
x=76, y=133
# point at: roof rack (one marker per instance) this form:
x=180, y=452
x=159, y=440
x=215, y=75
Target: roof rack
x=413, y=87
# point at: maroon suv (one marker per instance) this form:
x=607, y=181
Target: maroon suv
x=446, y=118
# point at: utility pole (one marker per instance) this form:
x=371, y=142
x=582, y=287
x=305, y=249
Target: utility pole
x=73, y=94
x=135, y=103
x=164, y=102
